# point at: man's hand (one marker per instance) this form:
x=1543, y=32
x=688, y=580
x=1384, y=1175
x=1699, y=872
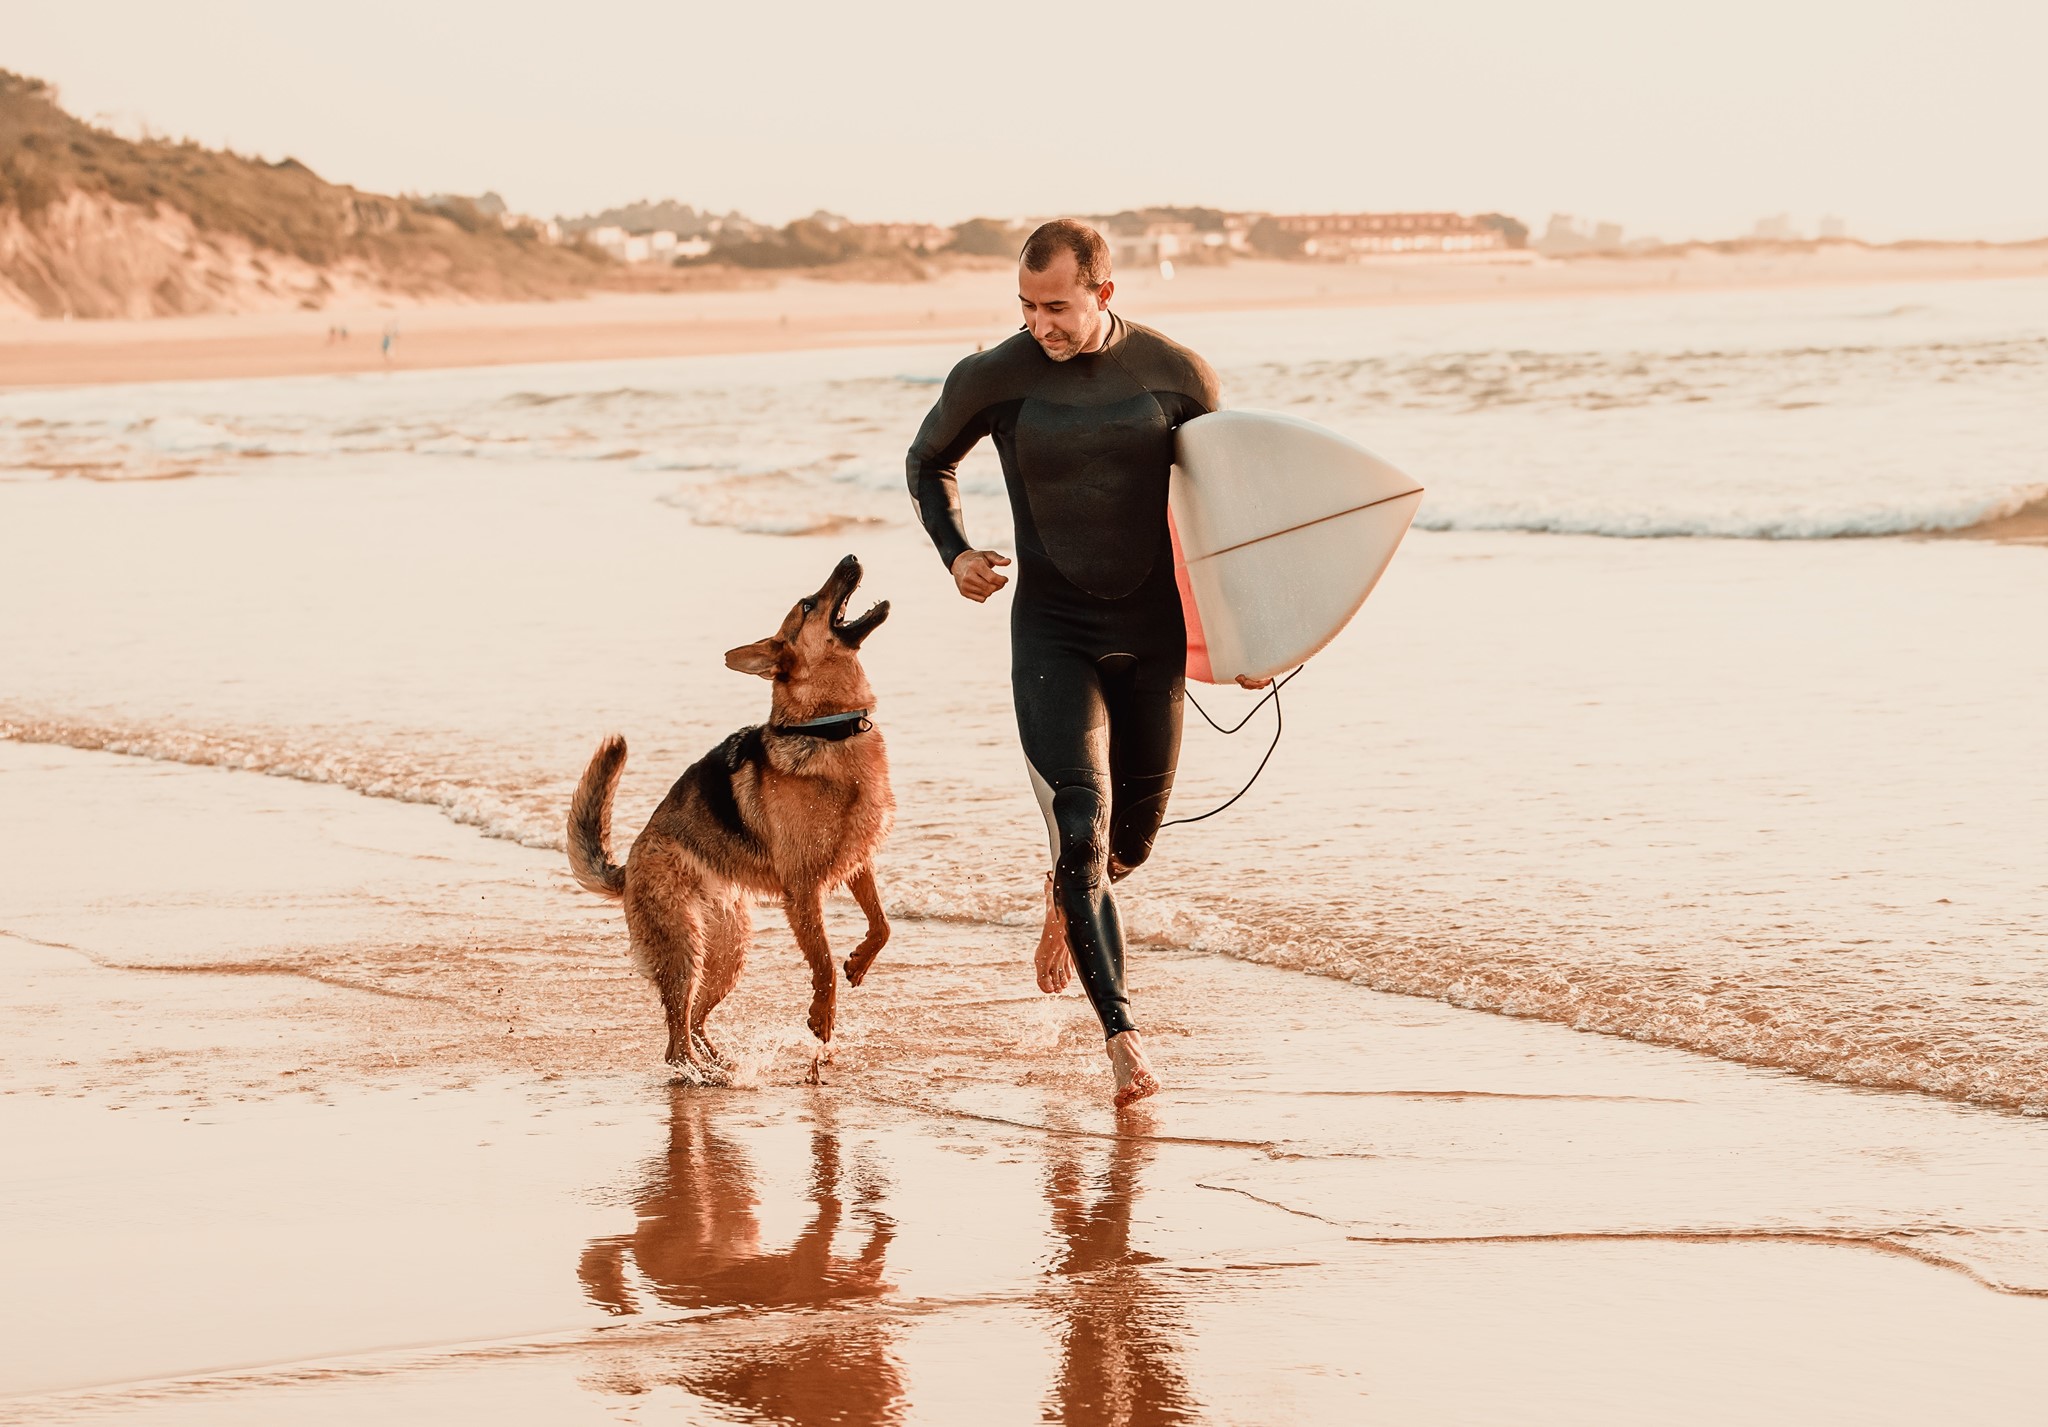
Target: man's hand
x=1246, y=681
x=974, y=571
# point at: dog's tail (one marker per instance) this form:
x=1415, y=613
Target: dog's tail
x=590, y=821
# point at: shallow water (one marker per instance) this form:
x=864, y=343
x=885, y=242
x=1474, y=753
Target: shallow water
x=1801, y=414
x=325, y=1107
x=1776, y=801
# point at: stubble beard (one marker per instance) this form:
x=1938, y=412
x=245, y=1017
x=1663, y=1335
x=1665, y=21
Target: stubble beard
x=1067, y=352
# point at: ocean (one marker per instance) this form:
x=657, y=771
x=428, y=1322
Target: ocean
x=1642, y=733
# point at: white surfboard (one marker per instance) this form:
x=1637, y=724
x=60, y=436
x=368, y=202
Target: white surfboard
x=1280, y=531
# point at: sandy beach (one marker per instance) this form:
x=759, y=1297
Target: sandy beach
x=368, y=1196
x=960, y=304
x=1618, y=1003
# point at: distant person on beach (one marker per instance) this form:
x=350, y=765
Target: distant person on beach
x=1082, y=406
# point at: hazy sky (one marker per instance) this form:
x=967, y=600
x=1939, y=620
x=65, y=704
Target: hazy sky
x=1695, y=119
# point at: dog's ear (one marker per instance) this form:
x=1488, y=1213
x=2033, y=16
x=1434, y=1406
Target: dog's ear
x=763, y=658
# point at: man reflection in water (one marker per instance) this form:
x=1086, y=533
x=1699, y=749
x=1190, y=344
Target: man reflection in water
x=698, y=1245
x=1120, y=1343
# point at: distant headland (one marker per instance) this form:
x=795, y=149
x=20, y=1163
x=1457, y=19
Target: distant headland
x=96, y=225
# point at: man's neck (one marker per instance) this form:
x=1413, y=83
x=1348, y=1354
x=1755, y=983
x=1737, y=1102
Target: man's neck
x=1103, y=329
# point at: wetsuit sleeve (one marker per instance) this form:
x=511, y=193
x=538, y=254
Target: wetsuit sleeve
x=948, y=434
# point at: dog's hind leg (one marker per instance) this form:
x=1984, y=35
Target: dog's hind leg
x=862, y=885
x=806, y=911
x=728, y=927
x=668, y=944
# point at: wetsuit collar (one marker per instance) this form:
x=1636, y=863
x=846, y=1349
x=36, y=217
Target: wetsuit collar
x=833, y=728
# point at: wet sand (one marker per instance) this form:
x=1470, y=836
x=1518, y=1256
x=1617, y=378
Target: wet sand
x=321, y=1107
x=2026, y=526
x=961, y=303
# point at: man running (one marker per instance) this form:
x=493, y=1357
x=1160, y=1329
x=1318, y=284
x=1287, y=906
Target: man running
x=1082, y=406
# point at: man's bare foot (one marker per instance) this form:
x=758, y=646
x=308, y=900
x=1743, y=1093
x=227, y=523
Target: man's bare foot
x=1055, y=960
x=1134, y=1078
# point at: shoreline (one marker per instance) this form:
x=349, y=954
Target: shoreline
x=2026, y=526
x=967, y=304
x=1558, y=1195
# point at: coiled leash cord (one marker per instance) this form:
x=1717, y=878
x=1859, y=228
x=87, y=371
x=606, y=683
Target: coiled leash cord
x=1279, y=723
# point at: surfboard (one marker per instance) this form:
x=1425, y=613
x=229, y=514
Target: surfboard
x=1280, y=530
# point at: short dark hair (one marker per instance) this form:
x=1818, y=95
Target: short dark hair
x=1064, y=235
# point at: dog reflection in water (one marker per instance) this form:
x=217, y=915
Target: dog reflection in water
x=699, y=1246
x=1116, y=1321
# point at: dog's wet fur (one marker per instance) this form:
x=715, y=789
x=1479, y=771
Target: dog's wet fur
x=768, y=812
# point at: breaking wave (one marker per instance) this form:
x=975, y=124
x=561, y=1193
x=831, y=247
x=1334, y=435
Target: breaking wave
x=1811, y=1029
x=1962, y=517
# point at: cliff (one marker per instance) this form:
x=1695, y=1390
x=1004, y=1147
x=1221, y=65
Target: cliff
x=95, y=225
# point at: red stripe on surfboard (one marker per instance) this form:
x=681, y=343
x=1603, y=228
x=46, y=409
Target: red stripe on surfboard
x=1198, y=642
x=1333, y=515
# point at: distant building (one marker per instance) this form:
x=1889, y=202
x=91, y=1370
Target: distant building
x=1340, y=237
x=1776, y=228
x=1833, y=227
x=693, y=248
x=1563, y=236
x=918, y=237
x=1149, y=243
x=546, y=229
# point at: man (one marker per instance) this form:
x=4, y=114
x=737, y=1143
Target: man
x=1082, y=406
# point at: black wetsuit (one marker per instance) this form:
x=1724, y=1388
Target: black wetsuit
x=1098, y=646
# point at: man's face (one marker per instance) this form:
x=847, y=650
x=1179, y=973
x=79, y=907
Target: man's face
x=1061, y=313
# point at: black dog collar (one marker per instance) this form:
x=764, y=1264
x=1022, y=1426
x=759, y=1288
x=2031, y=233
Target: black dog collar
x=833, y=728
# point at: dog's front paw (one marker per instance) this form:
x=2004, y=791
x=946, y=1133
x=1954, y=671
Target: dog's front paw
x=820, y=1018
x=864, y=955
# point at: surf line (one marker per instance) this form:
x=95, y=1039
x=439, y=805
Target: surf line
x=1319, y=520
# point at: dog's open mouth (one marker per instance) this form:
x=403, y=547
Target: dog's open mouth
x=851, y=632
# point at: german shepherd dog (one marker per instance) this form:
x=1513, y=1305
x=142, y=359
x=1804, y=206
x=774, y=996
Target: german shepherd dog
x=790, y=808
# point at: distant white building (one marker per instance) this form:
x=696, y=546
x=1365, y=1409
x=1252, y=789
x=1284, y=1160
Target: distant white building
x=1833, y=227
x=1776, y=228
x=547, y=229
x=918, y=237
x=693, y=248
x=1342, y=236
x=1153, y=243
x=1563, y=236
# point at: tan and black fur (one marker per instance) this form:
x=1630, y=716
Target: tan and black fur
x=768, y=812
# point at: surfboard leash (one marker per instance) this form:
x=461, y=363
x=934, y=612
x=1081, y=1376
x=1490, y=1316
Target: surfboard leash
x=1272, y=695
x=1279, y=723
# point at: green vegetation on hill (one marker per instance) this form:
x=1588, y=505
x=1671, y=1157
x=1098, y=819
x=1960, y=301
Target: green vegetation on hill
x=989, y=238
x=808, y=243
x=646, y=216
x=47, y=156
